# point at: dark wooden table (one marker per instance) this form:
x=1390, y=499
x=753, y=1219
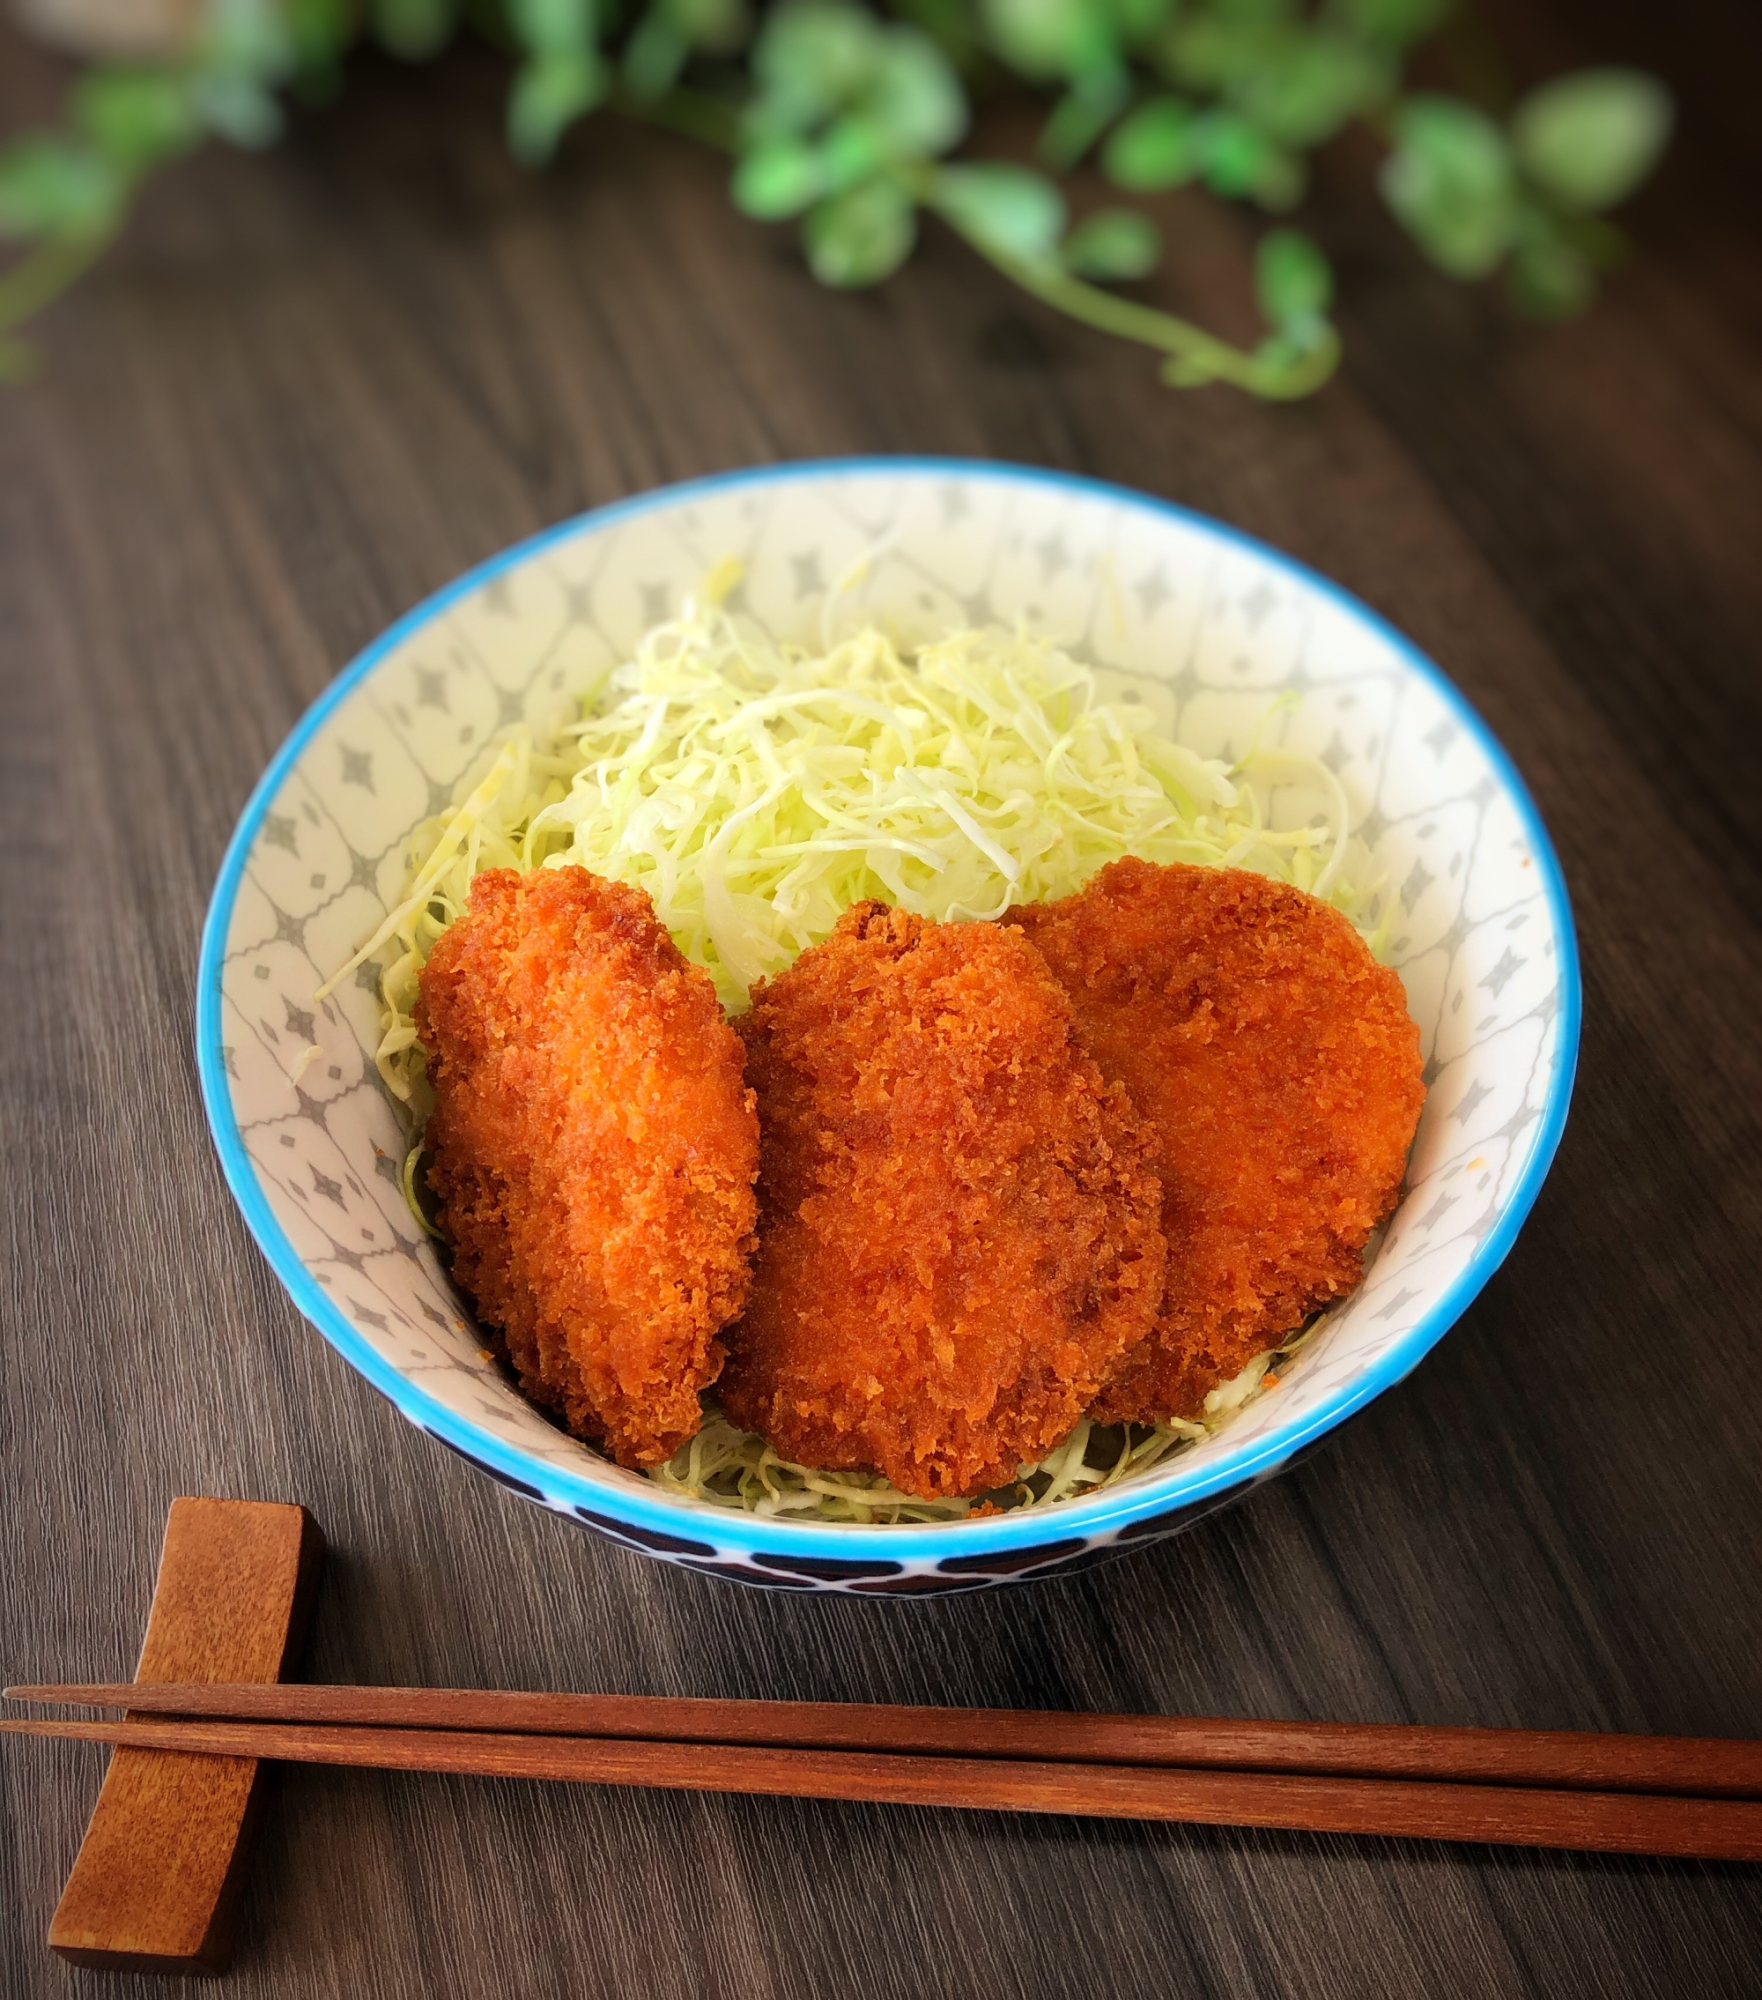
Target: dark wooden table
x=312, y=386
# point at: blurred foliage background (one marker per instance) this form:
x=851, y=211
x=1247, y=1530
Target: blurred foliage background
x=855, y=122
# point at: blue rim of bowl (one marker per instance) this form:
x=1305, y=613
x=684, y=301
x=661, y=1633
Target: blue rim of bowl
x=1100, y=1516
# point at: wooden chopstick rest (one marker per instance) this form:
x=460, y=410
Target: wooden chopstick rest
x=156, y=1884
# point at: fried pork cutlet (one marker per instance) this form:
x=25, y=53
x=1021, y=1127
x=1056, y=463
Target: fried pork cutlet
x=958, y=1236
x=1279, y=1071
x=594, y=1147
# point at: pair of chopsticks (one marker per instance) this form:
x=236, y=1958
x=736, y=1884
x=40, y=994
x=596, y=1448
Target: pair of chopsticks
x=1659, y=1795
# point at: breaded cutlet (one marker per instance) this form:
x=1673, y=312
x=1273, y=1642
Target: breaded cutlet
x=594, y=1147
x=958, y=1222
x=1279, y=1072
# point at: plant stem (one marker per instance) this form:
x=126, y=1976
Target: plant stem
x=696, y=115
x=1210, y=359
x=40, y=278
x=1203, y=357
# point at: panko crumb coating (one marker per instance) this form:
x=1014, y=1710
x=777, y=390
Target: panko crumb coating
x=959, y=1235
x=594, y=1147
x=1279, y=1071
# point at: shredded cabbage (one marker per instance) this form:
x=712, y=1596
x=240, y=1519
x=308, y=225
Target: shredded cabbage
x=757, y=790
x=736, y=1469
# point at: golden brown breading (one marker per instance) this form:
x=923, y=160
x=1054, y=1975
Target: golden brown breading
x=959, y=1230
x=594, y=1150
x=1279, y=1071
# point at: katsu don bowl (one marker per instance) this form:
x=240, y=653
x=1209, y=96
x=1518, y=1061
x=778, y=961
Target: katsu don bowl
x=1223, y=643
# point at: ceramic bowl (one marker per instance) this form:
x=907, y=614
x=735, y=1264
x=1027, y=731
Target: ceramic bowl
x=1212, y=626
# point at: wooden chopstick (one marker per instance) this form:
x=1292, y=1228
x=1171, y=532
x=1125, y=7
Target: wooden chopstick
x=1571, y=1759
x=1618, y=1823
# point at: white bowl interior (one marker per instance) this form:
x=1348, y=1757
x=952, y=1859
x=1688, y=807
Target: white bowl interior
x=1208, y=627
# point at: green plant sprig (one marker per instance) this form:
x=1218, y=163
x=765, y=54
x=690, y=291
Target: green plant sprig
x=852, y=121
x=1290, y=363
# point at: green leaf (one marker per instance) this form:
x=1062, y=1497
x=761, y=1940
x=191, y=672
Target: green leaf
x=810, y=59
x=1590, y=139
x=1256, y=13
x=1153, y=148
x=542, y=27
x=854, y=150
x=914, y=97
x=1308, y=90
x=1392, y=24
x=413, y=30
x=1451, y=182
x=950, y=24
x=1011, y=210
x=1237, y=159
x=778, y=178
x=319, y=31
x=1209, y=52
x=1292, y=279
x=246, y=41
x=860, y=237
x=655, y=54
x=1112, y=244
x=56, y=186
x=818, y=62
x=1139, y=22
x=1044, y=39
x=549, y=94
x=720, y=26
x=1081, y=116
x=662, y=41
x=238, y=108
x=136, y=116
x=1551, y=278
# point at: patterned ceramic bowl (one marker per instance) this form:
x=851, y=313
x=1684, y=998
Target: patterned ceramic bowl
x=1217, y=624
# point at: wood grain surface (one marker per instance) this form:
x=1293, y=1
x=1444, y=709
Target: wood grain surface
x=313, y=385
